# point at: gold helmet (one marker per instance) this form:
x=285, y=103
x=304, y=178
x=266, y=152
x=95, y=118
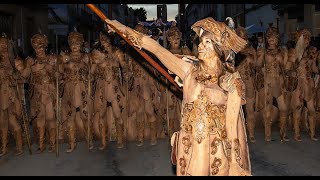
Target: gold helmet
x=3, y=39
x=173, y=32
x=242, y=32
x=140, y=28
x=39, y=40
x=222, y=34
x=105, y=37
x=272, y=31
x=75, y=37
x=305, y=32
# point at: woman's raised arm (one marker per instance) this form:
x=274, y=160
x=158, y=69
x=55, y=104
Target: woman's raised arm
x=172, y=62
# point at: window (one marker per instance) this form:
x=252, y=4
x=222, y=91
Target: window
x=5, y=24
x=317, y=6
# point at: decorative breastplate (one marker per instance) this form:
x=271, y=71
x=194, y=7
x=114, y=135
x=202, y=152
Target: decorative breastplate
x=202, y=118
x=76, y=73
x=115, y=73
x=245, y=71
x=101, y=73
x=41, y=77
x=204, y=77
x=273, y=66
x=5, y=73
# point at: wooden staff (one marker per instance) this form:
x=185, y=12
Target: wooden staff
x=167, y=114
x=13, y=53
x=57, y=100
x=57, y=110
x=25, y=123
x=89, y=103
x=127, y=92
x=142, y=53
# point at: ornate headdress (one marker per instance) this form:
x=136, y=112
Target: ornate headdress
x=104, y=36
x=300, y=37
x=242, y=31
x=174, y=30
x=272, y=31
x=140, y=28
x=3, y=38
x=75, y=36
x=40, y=38
x=173, y=23
x=222, y=35
x=305, y=32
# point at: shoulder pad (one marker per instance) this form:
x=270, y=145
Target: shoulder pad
x=231, y=82
x=97, y=56
x=85, y=58
x=65, y=57
x=30, y=61
x=52, y=58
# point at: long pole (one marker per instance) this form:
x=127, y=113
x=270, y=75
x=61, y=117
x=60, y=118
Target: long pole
x=142, y=53
x=167, y=112
x=25, y=123
x=57, y=103
x=57, y=49
x=164, y=35
x=57, y=111
x=127, y=91
x=89, y=105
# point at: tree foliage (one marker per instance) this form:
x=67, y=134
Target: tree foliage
x=141, y=14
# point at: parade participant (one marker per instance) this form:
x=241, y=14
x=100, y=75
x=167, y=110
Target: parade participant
x=107, y=71
x=10, y=111
x=245, y=65
x=212, y=139
x=41, y=71
x=174, y=37
x=141, y=97
x=75, y=100
x=301, y=65
x=317, y=96
x=273, y=58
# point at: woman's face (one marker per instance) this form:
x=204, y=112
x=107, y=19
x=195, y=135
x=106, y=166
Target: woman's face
x=75, y=46
x=205, y=48
x=39, y=45
x=175, y=41
x=105, y=44
x=272, y=40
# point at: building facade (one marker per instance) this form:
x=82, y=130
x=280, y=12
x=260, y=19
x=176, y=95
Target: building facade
x=20, y=22
x=196, y=12
x=162, y=12
x=63, y=18
x=297, y=16
x=263, y=16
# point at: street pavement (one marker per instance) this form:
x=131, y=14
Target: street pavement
x=267, y=159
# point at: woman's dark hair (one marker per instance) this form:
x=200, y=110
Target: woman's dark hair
x=228, y=64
